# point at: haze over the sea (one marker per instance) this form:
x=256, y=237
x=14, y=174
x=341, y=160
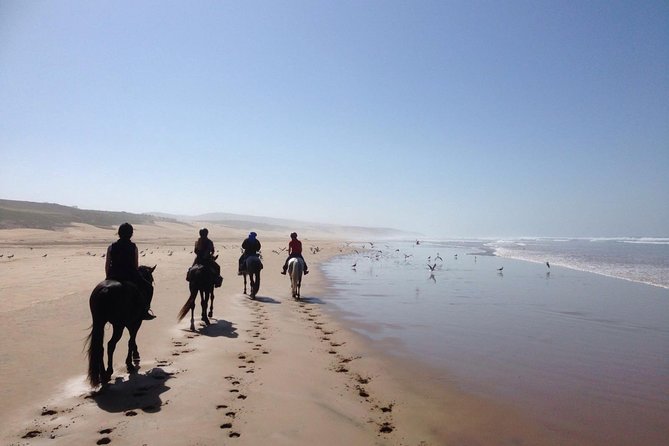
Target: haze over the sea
x=453, y=119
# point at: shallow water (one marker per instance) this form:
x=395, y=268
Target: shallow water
x=587, y=354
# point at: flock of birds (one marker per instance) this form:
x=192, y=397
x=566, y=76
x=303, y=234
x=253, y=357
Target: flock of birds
x=433, y=264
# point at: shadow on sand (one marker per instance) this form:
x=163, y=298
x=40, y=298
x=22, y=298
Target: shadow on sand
x=219, y=328
x=267, y=300
x=139, y=391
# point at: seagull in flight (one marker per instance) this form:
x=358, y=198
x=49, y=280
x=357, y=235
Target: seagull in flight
x=432, y=267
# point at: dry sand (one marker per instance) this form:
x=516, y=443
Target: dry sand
x=267, y=371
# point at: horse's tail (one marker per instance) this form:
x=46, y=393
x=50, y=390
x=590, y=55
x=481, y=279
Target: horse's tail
x=95, y=340
x=190, y=303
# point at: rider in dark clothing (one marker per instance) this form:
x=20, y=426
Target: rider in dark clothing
x=204, y=255
x=122, y=263
x=251, y=247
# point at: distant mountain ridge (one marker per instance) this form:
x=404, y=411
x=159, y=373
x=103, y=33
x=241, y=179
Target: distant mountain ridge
x=28, y=214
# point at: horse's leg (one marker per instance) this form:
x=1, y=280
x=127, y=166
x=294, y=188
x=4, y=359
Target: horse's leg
x=211, y=304
x=132, y=360
x=204, y=301
x=257, y=285
x=111, y=346
x=244, y=274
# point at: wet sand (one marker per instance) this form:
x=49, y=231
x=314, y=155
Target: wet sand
x=585, y=354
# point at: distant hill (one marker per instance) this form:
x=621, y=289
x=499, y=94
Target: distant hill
x=50, y=216
x=246, y=222
x=26, y=214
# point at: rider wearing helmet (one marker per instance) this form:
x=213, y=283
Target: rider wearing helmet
x=122, y=262
x=204, y=255
x=294, y=250
x=251, y=247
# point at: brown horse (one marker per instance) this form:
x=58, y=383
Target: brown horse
x=201, y=279
x=121, y=304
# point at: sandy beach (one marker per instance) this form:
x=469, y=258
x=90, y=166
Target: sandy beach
x=267, y=371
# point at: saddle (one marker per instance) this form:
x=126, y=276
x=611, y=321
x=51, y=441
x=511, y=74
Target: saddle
x=218, y=280
x=189, y=273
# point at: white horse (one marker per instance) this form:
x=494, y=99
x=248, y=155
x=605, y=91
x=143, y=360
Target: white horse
x=295, y=270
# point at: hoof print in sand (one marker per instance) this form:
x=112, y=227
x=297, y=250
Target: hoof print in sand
x=362, y=380
x=234, y=435
x=130, y=413
x=104, y=440
x=388, y=408
x=32, y=434
x=226, y=425
x=386, y=428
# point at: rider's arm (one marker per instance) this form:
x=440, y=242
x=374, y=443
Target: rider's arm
x=136, y=259
x=108, y=261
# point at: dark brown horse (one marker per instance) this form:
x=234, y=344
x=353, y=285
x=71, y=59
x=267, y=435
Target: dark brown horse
x=252, y=270
x=201, y=279
x=121, y=304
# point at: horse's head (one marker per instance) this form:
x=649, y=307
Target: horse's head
x=147, y=272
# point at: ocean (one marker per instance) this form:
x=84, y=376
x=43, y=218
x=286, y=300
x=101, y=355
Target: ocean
x=583, y=343
x=641, y=259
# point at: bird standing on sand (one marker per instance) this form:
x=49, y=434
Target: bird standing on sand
x=548, y=265
x=500, y=269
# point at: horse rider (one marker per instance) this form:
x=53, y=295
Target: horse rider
x=294, y=251
x=122, y=264
x=204, y=255
x=251, y=247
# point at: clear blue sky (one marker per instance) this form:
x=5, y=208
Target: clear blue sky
x=452, y=118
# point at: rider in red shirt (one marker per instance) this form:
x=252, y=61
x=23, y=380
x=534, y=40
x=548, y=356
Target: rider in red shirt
x=294, y=250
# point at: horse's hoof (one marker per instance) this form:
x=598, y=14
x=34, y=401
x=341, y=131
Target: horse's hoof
x=211, y=314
